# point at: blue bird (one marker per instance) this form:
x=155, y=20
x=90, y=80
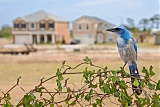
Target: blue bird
x=128, y=52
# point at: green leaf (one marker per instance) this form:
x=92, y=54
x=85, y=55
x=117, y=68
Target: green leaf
x=77, y=96
x=99, y=71
x=151, y=71
x=129, y=98
x=68, y=98
x=137, y=97
x=123, y=73
x=87, y=59
x=144, y=70
x=106, y=68
x=73, y=103
x=8, y=97
x=158, y=85
x=126, y=105
x=123, y=85
x=68, y=90
x=38, y=104
x=115, y=79
x=151, y=86
x=101, y=82
x=33, y=97
x=155, y=97
x=114, y=73
x=59, y=74
x=94, y=105
x=82, y=95
x=106, y=88
x=147, y=101
x=156, y=100
x=99, y=102
x=7, y=104
x=142, y=83
x=51, y=105
x=93, y=86
x=59, y=85
x=91, y=92
x=86, y=75
x=143, y=101
x=63, y=63
x=87, y=97
x=52, y=99
x=136, y=82
x=109, y=79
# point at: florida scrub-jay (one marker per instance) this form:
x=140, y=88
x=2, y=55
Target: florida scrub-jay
x=128, y=52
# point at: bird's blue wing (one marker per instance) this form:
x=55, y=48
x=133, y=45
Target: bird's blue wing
x=135, y=46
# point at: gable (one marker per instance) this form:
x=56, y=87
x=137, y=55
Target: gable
x=20, y=19
x=83, y=20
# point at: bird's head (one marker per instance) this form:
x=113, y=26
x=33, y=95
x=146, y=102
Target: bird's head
x=121, y=31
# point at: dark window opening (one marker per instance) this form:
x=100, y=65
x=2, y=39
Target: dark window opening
x=51, y=25
x=87, y=27
x=80, y=27
x=41, y=38
x=49, y=38
x=34, y=39
x=23, y=25
x=63, y=40
x=16, y=25
x=42, y=25
x=32, y=25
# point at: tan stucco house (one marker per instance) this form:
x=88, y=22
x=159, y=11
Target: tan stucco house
x=89, y=30
x=40, y=27
x=156, y=33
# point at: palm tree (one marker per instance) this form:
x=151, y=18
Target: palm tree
x=155, y=20
x=152, y=20
x=131, y=22
x=144, y=23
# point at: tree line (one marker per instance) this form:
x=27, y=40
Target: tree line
x=6, y=31
x=145, y=23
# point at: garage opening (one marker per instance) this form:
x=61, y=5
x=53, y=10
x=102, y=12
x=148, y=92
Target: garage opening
x=21, y=39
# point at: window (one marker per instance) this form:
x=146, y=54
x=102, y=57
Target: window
x=42, y=25
x=80, y=27
x=16, y=25
x=87, y=27
x=23, y=25
x=51, y=25
x=32, y=25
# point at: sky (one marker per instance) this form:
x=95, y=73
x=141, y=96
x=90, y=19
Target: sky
x=113, y=11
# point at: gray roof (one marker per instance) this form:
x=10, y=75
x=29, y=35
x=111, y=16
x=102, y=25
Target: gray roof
x=40, y=15
x=98, y=20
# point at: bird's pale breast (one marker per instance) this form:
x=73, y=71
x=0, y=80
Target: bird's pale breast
x=126, y=50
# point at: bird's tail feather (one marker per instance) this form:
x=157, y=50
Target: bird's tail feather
x=134, y=72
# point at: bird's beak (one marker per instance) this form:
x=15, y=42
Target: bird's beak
x=111, y=30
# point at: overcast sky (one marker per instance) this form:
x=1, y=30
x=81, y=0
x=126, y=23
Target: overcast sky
x=114, y=11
